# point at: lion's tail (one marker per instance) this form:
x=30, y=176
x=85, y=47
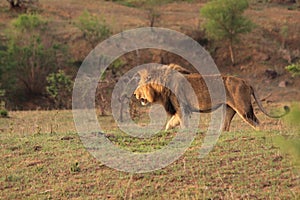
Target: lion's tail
x=286, y=108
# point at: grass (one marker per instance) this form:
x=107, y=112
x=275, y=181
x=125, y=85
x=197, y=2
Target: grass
x=42, y=157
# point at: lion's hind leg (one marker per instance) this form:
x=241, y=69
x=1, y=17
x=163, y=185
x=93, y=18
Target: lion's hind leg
x=228, y=117
x=249, y=117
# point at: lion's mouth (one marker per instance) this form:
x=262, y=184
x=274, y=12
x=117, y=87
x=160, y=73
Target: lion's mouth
x=144, y=101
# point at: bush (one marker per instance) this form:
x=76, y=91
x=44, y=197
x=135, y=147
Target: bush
x=3, y=111
x=30, y=56
x=93, y=29
x=294, y=69
x=60, y=89
x=291, y=144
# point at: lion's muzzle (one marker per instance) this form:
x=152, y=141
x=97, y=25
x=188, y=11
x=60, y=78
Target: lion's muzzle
x=144, y=102
x=140, y=96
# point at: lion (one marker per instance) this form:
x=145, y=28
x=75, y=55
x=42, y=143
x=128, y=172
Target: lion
x=152, y=89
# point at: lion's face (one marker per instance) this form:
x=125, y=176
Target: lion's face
x=145, y=91
x=145, y=94
x=150, y=88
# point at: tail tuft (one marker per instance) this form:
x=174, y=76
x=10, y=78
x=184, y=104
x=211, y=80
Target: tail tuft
x=286, y=109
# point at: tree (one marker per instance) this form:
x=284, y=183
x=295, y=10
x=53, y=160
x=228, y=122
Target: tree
x=225, y=21
x=153, y=9
x=153, y=13
x=30, y=55
x=93, y=29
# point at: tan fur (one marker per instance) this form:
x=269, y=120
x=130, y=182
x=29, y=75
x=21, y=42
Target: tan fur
x=179, y=68
x=238, y=96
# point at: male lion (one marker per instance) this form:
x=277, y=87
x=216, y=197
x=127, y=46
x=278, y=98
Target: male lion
x=152, y=88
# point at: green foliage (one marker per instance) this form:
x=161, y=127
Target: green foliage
x=93, y=29
x=294, y=116
x=128, y=3
x=153, y=13
x=151, y=6
x=294, y=69
x=291, y=147
x=3, y=111
x=117, y=64
x=291, y=144
x=60, y=89
x=30, y=55
x=140, y=3
x=30, y=23
x=225, y=20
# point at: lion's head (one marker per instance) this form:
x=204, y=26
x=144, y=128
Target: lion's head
x=145, y=94
x=155, y=86
x=148, y=92
x=150, y=87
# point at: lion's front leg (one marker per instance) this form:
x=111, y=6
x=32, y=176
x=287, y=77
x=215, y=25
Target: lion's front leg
x=173, y=122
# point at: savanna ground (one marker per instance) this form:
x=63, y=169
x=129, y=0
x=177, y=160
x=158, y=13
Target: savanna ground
x=42, y=157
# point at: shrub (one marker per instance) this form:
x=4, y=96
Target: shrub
x=294, y=69
x=30, y=56
x=291, y=144
x=60, y=89
x=93, y=29
x=3, y=111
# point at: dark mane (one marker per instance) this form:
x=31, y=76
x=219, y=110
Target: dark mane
x=169, y=101
x=169, y=107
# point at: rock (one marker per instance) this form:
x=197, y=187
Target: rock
x=283, y=84
x=271, y=74
x=243, y=67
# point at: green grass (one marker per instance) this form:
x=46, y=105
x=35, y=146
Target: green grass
x=138, y=3
x=42, y=157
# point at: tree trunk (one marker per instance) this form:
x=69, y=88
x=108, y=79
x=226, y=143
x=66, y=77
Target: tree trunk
x=152, y=19
x=232, y=56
